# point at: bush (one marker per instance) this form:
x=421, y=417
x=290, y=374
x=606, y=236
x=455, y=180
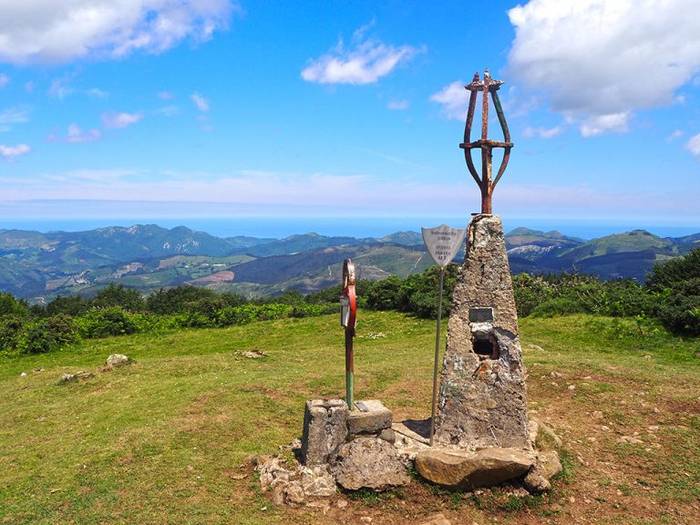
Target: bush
x=680, y=311
x=386, y=294
x=72, y=305
x=558, y=306
x=118, y=295
x=11, y=328
x=103, y=322
x=9, y=305
x=178, y=300
x=667, y=275
x=48, y=335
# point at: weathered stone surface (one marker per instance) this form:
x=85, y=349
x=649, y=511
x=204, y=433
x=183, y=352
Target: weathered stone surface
x=437, y=519
x=547, y=465
x=375, y=418
x=116, y=360
x=325, y=429
x=547, y=439
x=317, y=481
x=369, y=462
x=388, y=435
x=482, y=395
x=462, y=469
x=72, y=378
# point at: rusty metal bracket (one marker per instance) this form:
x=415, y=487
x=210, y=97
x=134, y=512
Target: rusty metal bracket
x=485, y=181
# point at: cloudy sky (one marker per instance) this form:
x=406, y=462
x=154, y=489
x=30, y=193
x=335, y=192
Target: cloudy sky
x=329, y=108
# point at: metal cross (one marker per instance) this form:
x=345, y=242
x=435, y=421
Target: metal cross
x=484, y=181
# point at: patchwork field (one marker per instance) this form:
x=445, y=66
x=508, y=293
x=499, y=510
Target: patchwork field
x=167, y=439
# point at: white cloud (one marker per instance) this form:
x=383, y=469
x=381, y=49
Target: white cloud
x=165, y=95
x=11, y=116
x=4, y=80
x=365, y=63
x=10, y=152
x=96, y=93
x=453, y=98
x=599, y=61
x=60, y=31
x=597, y=124
x=60, y=87
x=693, y=145
x=675, y=134
x=76, y=135
x=120, y=120
x=543, y=133
x=29, y=86
x=167, y=111
x=199, y=101
x=397, y=105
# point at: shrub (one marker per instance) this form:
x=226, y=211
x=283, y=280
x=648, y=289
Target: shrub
x=103, y=322
x=72, y=305
x=177, y=300
x=118, y=295
x=680, y=310
x=48, y=335
x=558, y=306
x=669, y=273
x=11, y=328
x=385, y=294
x=9, y=305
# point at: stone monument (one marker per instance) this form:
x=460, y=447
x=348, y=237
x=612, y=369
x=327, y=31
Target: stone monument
x=482, y=399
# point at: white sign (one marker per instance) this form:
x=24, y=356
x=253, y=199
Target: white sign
x=443, y=242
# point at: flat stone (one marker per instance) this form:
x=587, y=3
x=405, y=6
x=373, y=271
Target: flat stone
x=461, y=469
x=368, y=416
x=547, y=465
x=317, y=481
x=369, y=462
x=325, y=429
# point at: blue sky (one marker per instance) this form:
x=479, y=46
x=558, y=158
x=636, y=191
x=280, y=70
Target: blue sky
x=176, y=109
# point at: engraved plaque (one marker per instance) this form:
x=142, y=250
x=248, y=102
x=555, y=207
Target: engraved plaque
x=443, y=242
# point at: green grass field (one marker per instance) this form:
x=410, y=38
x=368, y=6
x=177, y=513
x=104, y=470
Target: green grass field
x=163, y=440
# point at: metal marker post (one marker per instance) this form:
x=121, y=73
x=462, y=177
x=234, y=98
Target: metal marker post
x=348, y=318
x=442, y=243
x=437, y=356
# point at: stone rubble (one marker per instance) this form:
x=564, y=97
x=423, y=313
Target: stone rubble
x=369, y=462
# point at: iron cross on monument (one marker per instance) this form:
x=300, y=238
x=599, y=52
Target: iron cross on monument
x=485, y=181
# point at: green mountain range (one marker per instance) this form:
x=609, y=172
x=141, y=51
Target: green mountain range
x=39, y=266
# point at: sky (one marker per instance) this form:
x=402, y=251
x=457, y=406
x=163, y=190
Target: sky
x=176, y=109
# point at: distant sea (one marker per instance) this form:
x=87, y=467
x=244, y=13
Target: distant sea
x=279, y=227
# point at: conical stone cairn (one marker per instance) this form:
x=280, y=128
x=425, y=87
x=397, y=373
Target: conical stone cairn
x=482, y=400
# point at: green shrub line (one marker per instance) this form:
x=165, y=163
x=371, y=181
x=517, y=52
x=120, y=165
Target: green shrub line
x=670, y=297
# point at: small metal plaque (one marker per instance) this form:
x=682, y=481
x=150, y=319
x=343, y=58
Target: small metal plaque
x=361, y=406
x=443, y=242
x=480, y=315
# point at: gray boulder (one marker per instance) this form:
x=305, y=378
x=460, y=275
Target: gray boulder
x=460, y=469
x=117, y=360
x=369, y=462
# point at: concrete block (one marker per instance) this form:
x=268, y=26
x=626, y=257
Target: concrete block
x=325, y=429
x=368, y=417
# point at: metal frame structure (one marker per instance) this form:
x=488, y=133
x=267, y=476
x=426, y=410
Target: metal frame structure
x=487, y=86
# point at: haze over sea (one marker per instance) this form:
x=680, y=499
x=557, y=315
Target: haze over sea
x=279, y=227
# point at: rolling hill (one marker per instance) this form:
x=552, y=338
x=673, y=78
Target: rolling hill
x=39, y=266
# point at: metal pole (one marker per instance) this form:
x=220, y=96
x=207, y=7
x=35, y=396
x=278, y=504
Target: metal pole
x=349, y=367
x=437, y=356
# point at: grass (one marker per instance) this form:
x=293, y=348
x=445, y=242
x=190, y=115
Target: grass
x=162, y=441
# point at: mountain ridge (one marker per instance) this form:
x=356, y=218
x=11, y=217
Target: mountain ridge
x=37, y=265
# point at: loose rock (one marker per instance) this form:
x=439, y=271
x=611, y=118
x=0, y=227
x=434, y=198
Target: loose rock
x=254, y=354
x=117, y=360
x=547, y=465
x=437, y=519
x=368, y=462
x=486, y=468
